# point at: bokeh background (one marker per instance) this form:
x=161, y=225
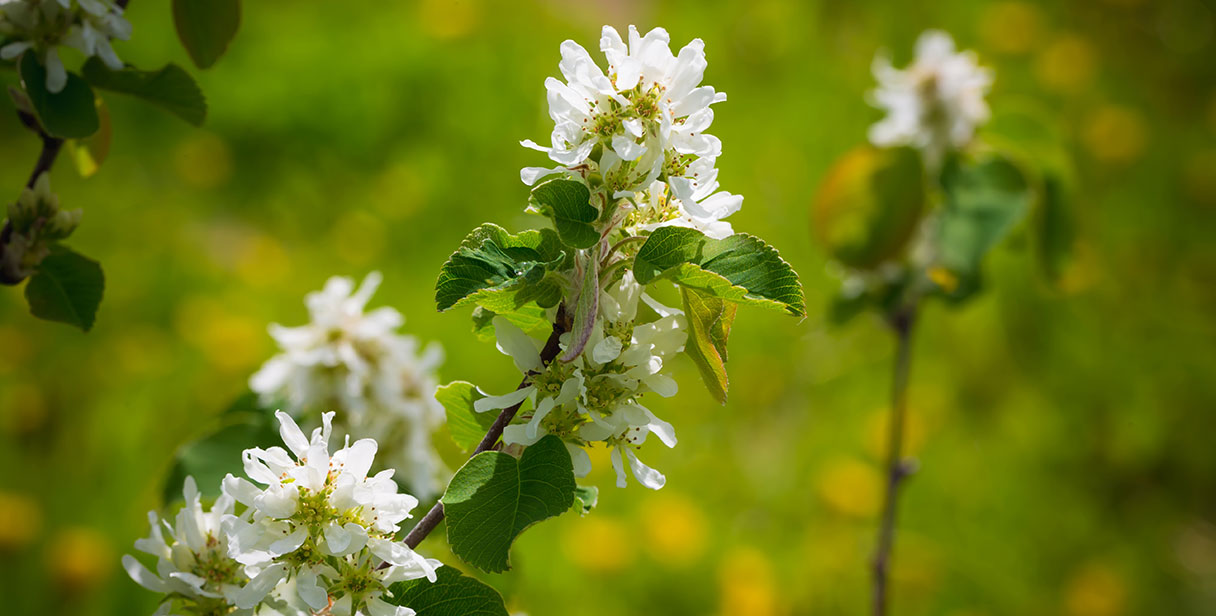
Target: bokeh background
x=1065, y=432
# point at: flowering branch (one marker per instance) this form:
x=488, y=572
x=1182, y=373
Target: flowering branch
x=435, y=515
x=46, y=159
x=897, y=468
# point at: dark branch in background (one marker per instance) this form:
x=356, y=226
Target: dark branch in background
x=547, y=354
x=46, y=160
x=897, y=467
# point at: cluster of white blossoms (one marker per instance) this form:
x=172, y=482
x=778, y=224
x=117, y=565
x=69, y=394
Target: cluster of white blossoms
x=44, y=25
x=315, y=536
x=936, y=103
x=636, y=133
x=358, y=363
x=35, y=222
x=597, y=396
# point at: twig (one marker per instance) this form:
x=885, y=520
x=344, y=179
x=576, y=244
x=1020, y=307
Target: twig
x=435, y=515
x=46, y=160
x=897, y=467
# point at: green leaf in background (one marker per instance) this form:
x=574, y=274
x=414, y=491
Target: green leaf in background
x=466, y=425
x=531, y=318
x=494, y=497
x=452, y=594
x=741, y=268
x=984, y=199
x=709, y=322
x=245, y=424
x=89, y=153
x=70, y=113
x=206, y=27
x=585, y=498
x=66, y=288
x=869, y=204
x=500, y=271
x=568, y=203
x=170, y=88
x=1055, y=228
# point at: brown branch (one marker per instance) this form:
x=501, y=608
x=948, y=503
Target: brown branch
x=897, y=467
x=547, y=354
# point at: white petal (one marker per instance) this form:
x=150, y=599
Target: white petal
x=618, y=467
x=253, y=592
x=290, y=543
x=647, y=476
x=489, y=403
x=580, y=459
x=292, y=435
x=310, y=591
x=512, y=341
x=142, y=575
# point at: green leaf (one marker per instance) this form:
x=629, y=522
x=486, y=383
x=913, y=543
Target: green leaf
x=869, y=205
x=452, y=594
x=585, y=498
x=243, y=425
x=206, y=27
x=66, y=288
x=709, y=322
x=1055, y=227
x=586, y=308
x=70, y=113
x=89, y=153
x=494, y=497
x=531, y=318
x=568, y=203
x=740, y=268
x=466, y=425
x=502, y=272
x=170, y=88
x=984, y=199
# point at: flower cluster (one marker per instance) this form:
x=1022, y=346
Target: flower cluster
x=45, y=25
x=936, y=103
x=316, y=535
x=357, y=362
x=35, y=221
x=636, y=133
x=597, y=396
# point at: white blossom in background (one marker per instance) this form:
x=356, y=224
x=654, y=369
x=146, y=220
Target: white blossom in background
x=192, y=561
x=635, y=132
x=936, y=103
x=321, y=522
x=357, y=362
x=598, y=396
x=46, y=25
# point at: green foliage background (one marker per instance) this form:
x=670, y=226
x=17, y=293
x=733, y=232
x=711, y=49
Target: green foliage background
x=1065, y=433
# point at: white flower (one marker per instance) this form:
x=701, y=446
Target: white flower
x=934, y=104
x=358, y=362
x=647, y=111
x=321, y=521
x=595, y=397
x=193, y=564
x=43, y=25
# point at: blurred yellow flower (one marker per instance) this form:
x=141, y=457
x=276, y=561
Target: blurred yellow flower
x=599, y=543
x=850, y=486
x=231, y=341
x=203, y=161
x=674, y=528
x=1011, y=27
x=79, y=558
x=1067, y=64
x=1114, y=134
x=447, y=19
x=20, y=521
x=1095, y=590
x=745, y=580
